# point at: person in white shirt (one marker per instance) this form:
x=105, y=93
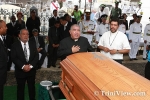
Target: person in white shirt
x=122, y=27
x=146, y=39
x=139, y=11
x=99, y=13
x=87, y=27
x=135, y=37
x=114, y=43
x=54, y=5
x=101, y=28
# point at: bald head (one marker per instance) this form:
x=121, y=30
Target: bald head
x=3, y=27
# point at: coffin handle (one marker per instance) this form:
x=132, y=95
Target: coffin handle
x=68, y=90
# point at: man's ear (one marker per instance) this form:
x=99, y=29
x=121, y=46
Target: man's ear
x=70, y=31
x=19, y=35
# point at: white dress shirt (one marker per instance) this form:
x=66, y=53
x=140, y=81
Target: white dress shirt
x=100, y=30
x=117, y=40
x=65, y=26
x=122, y=28
x=1, y=38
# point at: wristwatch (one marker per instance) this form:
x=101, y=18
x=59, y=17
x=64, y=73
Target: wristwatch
x=117, y=51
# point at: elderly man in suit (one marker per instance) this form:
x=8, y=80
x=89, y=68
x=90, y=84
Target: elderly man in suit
x=25, y=57
x=40, y=45
x=3, y=58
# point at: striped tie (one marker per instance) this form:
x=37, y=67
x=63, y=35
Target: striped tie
x=25, y=52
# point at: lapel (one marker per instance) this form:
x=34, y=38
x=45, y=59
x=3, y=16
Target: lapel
x=30, y=49
x=21, y=50
x=1, y=42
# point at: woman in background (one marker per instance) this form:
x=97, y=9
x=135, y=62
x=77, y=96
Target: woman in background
x=20, y=22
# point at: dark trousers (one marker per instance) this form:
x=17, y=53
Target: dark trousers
x=119, y=61
x=1, y=92
x=43, y=53
x=147, y=70
x=21, y=87
x=9, y=62
x=52, y=58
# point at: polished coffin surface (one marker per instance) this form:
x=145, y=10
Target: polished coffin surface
x=92, y=76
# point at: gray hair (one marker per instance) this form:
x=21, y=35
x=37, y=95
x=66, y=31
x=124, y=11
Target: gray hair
x=74, y=25
x=23, y=30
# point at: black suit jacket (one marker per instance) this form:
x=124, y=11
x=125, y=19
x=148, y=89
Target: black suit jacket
x=66, y=44
x=18, y=58
x=65, y=33
x=74, y=21
x=12, y=30
x=52, y=21
x=40, y=40
x=3, y=63
x=53, y=35
x=9, y=41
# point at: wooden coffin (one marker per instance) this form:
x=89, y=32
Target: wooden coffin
x=92, y=76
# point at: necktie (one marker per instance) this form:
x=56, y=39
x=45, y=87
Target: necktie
x=4, y=39
x=64, y=28
x=25, y=52
x=37, y=42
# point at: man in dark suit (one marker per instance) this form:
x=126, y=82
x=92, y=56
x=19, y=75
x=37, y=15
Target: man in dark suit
x=64, y=28
x=40, y=45
x=54, y=39
x=13, y=27
x=53, y=19
x=70, y=19
x=25, y=57
x=33, y=22
x=8, y=41
x=3, y=58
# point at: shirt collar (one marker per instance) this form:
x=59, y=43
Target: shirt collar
x=24, y=43
x=66, y=24
x=55, y=17
x=114, y=33
x=76, y=40
x=1, y=37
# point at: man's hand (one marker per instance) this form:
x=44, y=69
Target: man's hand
x=75, y=49
x=90, y=32
x=55, y=45
x=96, y=42
x=113, y=51
x=106, y=49
x=145, y=41
x=39, y=49
x=130, y=41
x=26, y=68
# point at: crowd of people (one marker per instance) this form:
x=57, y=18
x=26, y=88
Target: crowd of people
x=21, y=43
